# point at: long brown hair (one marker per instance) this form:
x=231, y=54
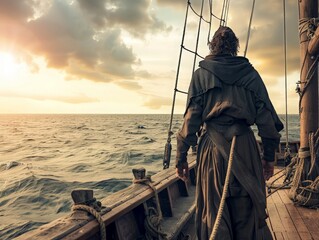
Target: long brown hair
x=224, y=41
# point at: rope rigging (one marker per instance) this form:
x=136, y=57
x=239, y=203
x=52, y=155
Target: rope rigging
x=286, y=87
x=168, y=146
x=249, y=27
x=290, y=171
x=223, y=21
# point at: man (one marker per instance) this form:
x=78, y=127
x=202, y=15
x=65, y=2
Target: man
x=226, y=96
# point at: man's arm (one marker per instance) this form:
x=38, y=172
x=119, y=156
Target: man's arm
x=187, y=137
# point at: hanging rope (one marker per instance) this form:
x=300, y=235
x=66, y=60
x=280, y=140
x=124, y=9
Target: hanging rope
x=168, y=146
x=249, y=27
x=224, y=14
x=227, y=11
x=154, y=216
x=225, y=190
x=198, y=34
x=286, y=82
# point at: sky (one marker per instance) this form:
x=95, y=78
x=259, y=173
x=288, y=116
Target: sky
x=121, y=56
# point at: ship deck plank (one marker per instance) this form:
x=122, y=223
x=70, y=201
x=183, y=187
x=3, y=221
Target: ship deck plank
x=290, y=222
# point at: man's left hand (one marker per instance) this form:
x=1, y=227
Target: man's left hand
x=182, y=171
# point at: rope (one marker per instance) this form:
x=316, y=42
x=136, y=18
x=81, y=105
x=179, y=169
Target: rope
x=297, y=177
x=249, y=27
x=284, y=185
x=167, y=154
x=227, y=11
x=309, y=196
x=224, y=14
x=286, y=91
x=198, y=34
x=148, y=182
x=225, y=190
x=152, y=222
x=96, y=214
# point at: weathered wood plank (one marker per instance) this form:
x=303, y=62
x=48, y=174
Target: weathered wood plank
x=279, y=236
x=166, y=203
x=270, y=227
x=127, y=228
x=295, y=216
x=121, y=203
x=274, y=218
x=311, y=220
x=289, y=221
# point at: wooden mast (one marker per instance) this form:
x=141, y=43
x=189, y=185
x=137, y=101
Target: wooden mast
x=307, y=167
x=309, y=101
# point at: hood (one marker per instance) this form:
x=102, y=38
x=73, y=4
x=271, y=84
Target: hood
x=227, y=68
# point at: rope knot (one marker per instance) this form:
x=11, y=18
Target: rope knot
x=84, y=201
x=153, y=216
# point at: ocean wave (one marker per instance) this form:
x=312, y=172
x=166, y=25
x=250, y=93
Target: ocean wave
x=45, y=157
x=14, y=230
x=9, y=165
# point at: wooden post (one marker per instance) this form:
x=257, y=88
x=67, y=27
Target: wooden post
x=309, y=102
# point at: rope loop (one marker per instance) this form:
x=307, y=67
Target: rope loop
x=95, y=213
x=154, y=216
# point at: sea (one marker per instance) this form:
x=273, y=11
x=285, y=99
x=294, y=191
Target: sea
x=43, y=157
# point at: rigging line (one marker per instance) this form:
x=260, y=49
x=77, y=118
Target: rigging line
x=180, y=91
x=198, y=15
x=227, y=11
x=249, y=27
x=198, y=33
x=210, y=20
x=188, y=50
x=177, y=74
x=285, y=55
x=222, y=20
x=211, y=11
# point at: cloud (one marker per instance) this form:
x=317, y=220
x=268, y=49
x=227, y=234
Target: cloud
x=266, y=43
x=130, y=85
x=179, y=4
x=75, y=99
x=90, y=49
x=157, y=102
x=135, y=16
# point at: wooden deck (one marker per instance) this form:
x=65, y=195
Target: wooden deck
x=288, y=221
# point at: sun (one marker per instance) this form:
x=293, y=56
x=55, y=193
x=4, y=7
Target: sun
x=8, y=65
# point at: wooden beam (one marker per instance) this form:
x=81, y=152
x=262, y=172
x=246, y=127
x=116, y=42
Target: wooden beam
x=309, y=101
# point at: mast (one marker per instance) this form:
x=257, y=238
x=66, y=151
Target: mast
x=309, y=87
x=306, y=176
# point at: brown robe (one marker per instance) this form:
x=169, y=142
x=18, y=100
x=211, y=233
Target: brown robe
x=226, y=96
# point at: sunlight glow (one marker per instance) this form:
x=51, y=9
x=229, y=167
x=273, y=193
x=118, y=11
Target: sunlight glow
x=8, y=65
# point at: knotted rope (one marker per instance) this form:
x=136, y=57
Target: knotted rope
x=152, y=222
x=304, y=191
x=95, y=213
x=309, y=196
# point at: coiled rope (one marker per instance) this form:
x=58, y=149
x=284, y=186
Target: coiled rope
x=96, y=214
x=225, y=190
